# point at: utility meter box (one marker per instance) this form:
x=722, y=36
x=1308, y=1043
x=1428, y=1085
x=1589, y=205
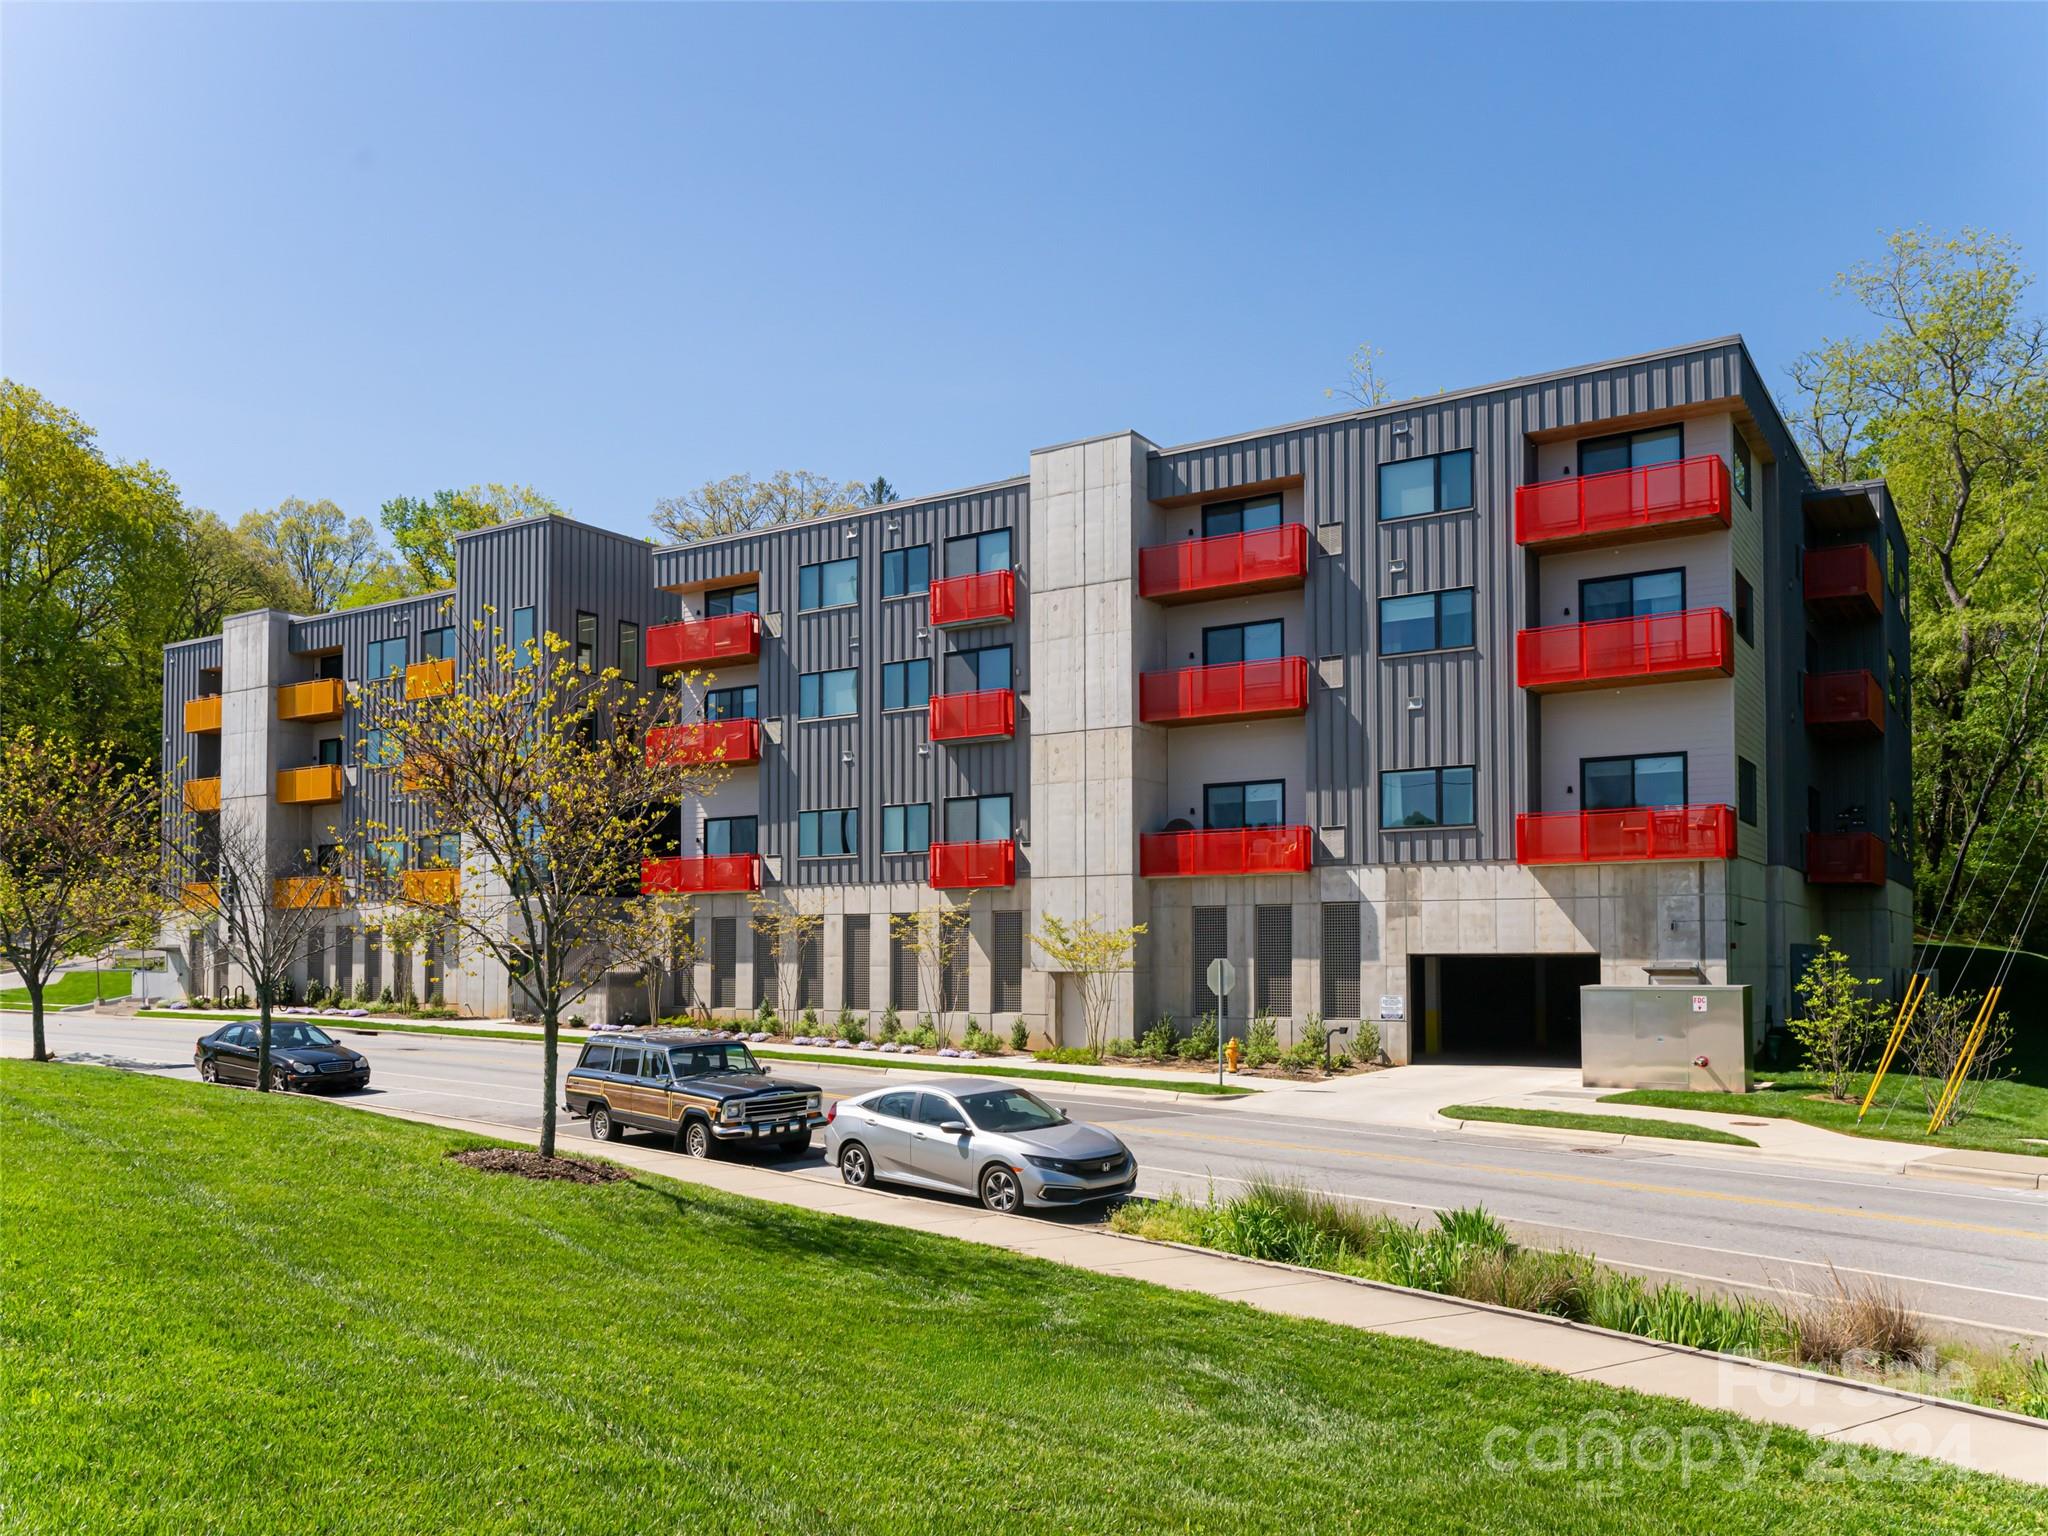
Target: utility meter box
x=1685, y=1036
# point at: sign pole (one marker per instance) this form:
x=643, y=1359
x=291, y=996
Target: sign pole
x=1222, y=976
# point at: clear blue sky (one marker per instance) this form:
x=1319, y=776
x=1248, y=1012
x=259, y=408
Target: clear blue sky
x=355, y=251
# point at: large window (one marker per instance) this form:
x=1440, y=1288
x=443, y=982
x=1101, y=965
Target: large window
x=905, y=571
x=725, y=836
x=1227, y=644
x=986, y=668
x=1260, y=803
x=1633, y=596
x=586, y=642
x=978, y=819
x=1248, y=516
x=827, y=834
x=906, y=684
x=387, y=657
x=835, y=584
x=525, y=644
x=1632, y=450
x=906, y=828
x=438, y=644
x=976, y=552
x=439, y=851
x=726, y=601
x=821, y=695
x=330, y=751
x=629, y=650
x=733, y=703
x=1624, y=783
x=1427, y=797
x=1739, y=468
x=1426, y=621
x=1416, y=487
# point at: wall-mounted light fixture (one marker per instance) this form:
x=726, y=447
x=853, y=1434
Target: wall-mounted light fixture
x=1414, y=706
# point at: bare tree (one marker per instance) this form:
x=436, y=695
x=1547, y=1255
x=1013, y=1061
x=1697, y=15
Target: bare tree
x=788, y=927
x=1362, y=383
x=937, y=936
x=658, y=938
x=740, y=504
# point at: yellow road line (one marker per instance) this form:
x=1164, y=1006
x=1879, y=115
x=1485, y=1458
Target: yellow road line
x=1635, y=1186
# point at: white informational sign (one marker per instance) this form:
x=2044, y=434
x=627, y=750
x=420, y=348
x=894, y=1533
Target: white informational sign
x=1699, y=1002
x=1393, y=1008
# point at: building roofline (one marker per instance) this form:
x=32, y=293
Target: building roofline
x=905, y=505
x=555, y=517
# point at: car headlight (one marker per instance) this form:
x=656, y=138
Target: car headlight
x=296, y=1066
x=729, y=1110
x=813, y=1102
x=1046, y=1162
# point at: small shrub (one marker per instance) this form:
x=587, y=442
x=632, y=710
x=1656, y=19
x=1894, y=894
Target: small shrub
x=892, y=1026
x=1553, y=1283
x=982, y=1040
x=1200, y=1044
x=1126, y=1047
x=887, y=1034
x=925, y=1037
x=1068, y=1056
x=1158, y=1043
x=1839, y=1018
x=1868, y=1324
x=385, y=998
x=1020, y=1036
x=1935, y=1044
x=316, y=992
x=1475, y=1227
x=1365, y=1043
x=575, y=1021
x=764, y=1018
x=1262, y=1046
x=855, y=1030
x=810, y=1021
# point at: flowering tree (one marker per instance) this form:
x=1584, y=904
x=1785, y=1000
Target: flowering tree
x=1096, y=957
x=790, y=929
x=539, y=785
x=77, y=858
x=658, y=938
x=937, y=936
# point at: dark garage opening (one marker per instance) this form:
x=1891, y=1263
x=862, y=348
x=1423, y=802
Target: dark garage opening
x=1506, y=1008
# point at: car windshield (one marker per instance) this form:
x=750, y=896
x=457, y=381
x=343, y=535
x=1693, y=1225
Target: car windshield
x=1008, y=1109
x=285, y=1036
x=703, y=1060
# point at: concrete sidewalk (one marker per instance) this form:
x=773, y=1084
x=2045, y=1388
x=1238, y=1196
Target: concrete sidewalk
x=1983, y=1440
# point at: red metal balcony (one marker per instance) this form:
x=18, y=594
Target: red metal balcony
x=695, y=642
x=1225, y=566
x=1844, y=704
x=1624, y=504
x=690, y=877
x=989, y=597
x=1844, y=858
x=1843, y=582
x=1657, y=648
x=1613, y=837
x=988, y=715
x=1245, y=851
x=707, y=741
x=1245, y=690
x=972, y=866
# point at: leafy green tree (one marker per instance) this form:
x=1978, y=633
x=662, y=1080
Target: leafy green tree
x=1948, y=402
x=228, y=573
x=878, y=492
x=93, y=571
x=740, y=504
x=322, y=548
x=423, y=529
x=1840, y=1016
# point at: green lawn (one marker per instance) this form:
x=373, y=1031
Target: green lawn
x=1564, y=1119
x=242, y=1313
x=2007, y=1117
x=71, y=987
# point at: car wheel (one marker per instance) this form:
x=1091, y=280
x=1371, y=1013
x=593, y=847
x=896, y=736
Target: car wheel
x=273, y=1082
x=696, y=1139
x=854, y=1166
x=209, y=1071
x=1000, y=1190
x=602, y=1126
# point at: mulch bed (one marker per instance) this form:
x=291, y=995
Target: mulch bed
x=531, y=1165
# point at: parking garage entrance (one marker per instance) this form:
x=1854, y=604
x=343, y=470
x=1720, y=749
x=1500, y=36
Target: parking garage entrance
x=1506, y=1008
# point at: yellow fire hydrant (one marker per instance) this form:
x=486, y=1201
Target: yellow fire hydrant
x=1230, y=1053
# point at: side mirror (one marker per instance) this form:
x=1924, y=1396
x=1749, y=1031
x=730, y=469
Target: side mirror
x=953, y=1127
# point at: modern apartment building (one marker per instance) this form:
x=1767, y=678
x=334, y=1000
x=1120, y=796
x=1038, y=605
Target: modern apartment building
x=1429, y=714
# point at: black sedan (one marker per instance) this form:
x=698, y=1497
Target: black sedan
x=302, y=1056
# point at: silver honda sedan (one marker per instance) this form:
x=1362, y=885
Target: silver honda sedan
x=976, y=1136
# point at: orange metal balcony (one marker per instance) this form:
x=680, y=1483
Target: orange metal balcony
x=322, y=698
x=694, y=642
x=202, y=716
x=1245, y=690
x=1658, y=648
x=1624, y=504
x=297, y=891
x=1615, y=837
x=1843, y=582
x=199, y=896
x=972, y=866
x=202, y=794
x=1225, y=566
x=429, y=679
x=732, y=872
x=706, y=741
x=989, y=715
x=1243, y=851
x=989, y=597
x=1844, y=704
x=1844, y=858
x=429, y=886
x=319, y=784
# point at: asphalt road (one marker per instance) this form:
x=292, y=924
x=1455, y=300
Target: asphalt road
x=1974, y=1255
